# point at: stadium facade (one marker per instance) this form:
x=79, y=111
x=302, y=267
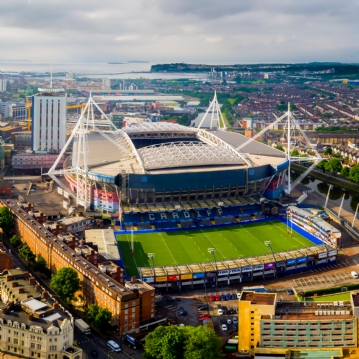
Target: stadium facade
x=146, y=166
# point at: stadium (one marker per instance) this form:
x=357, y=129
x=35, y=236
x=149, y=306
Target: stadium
x=181, y=193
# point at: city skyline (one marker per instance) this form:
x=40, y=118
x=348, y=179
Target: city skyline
x=214, y=31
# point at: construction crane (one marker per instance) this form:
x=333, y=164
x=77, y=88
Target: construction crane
x=29, y=105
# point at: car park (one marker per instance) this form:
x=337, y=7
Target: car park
x=224, y=327
x=234, y=296
x=218, y=297
x=220, y=311
x=354, y=274
x=182, y=312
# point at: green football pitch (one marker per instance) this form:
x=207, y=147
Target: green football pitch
x=191, y=246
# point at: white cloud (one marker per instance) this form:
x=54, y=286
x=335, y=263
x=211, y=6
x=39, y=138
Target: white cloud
x=127, y=38
x=213, y=39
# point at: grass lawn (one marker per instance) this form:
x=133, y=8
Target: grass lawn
x=330, y=298
x=191, y=246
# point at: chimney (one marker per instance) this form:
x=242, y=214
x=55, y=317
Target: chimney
x=21, y=290
x=45, y=294
x=133, y=279
x=37, y=287
x=32, y=280
x=55, y=305
x=31, y=317
x=8, y=278
x=13, y=284
x=82, y=242
x=26, y=274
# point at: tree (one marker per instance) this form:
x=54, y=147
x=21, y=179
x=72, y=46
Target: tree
x=333, y=165
x=99, y=317
x=40, y=265
x=322, y=165
x=26, y=253
x=15, y=240
x=183, y=342
x=354, y=174
x=6, y=219
x=328, y=151
x=65, y=282
x=345, y=171
x=279, y=147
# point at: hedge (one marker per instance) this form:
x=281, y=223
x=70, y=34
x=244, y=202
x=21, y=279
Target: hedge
x=311, y=293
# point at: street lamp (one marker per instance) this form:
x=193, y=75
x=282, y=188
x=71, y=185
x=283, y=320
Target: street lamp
x=269, y=245
x=152, y=257
x=211, y=250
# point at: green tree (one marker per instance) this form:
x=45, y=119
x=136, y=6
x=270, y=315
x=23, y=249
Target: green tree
x=354, y=174
x=202, y=342
x=280, y=148
x=99, y=317
x=345, y=171
x=322, y=165
x=328, y=151
x=6, y=219
x=333, y=165
x=15, y=240
x=295, y=153
x=26, y=253
x=65, y=282
x=40, y=265
x=183, y=342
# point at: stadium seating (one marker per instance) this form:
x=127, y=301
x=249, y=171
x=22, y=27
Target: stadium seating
x=223, y=220
x=205, y=222
x=132, y=218
x=188, y=223
x=144, y=226
x=166, y=225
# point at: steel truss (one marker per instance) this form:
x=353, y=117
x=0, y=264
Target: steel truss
x=177, y=154
x=217, y=120
x=156, y=127
x=291, y=124
x=85, y=124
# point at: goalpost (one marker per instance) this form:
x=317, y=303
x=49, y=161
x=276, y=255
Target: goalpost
x=132, y=244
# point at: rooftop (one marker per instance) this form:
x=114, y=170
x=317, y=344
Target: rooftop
x=105, y=241
x=258, y=298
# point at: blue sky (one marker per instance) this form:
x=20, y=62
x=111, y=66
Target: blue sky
x=180, y=30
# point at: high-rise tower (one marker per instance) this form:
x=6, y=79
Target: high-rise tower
x=49, y=120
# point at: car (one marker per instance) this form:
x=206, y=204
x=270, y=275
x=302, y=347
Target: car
x=224, y=327
x=229, y=321
x=212, y=298
x=203, y=307
x=223, y=297
x=94, y=353
x=182, y=312
x=223, y=321
x=289, y=291
x=235, y=321
x=234, y=296
x=220, y=311
x=239, y=294
x=354, y=274
x=203, y=317
x=232, y=311
x=228, y=296
x=218, y=297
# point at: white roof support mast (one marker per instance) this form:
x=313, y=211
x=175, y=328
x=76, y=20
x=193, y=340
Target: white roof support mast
x=217, y=120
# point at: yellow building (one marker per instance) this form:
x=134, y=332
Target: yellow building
x=271, y=329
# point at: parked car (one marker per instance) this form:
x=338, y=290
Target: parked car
x=289, y=292
x=232, y=311
x=182, y=312
x=203, y=317
x=224, y=327
x=212, y=298
x=234, y=296
x=239, y=294
x=228, y=296
x=229, y=321
x=354, y=274
x=220, y=311
x=203, y=307
x=235, y=321
x=218, y=297
x=223, y=297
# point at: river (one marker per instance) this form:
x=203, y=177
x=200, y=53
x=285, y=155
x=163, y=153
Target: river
x=351, y=198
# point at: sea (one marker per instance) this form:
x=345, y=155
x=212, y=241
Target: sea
x=130, y=70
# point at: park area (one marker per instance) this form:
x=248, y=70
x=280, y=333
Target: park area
x=191, y=246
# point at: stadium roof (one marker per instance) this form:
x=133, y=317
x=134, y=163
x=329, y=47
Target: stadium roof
x=140, y=98
x=186, y=149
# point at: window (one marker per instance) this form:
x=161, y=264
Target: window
x=16, y=341
x=32, y=346
x=38, y=346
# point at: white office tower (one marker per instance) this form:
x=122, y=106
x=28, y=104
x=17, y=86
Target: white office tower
x=2, y=85
x=49, y=114
x=106, y=84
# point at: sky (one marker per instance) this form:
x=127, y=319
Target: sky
x=198, y=31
